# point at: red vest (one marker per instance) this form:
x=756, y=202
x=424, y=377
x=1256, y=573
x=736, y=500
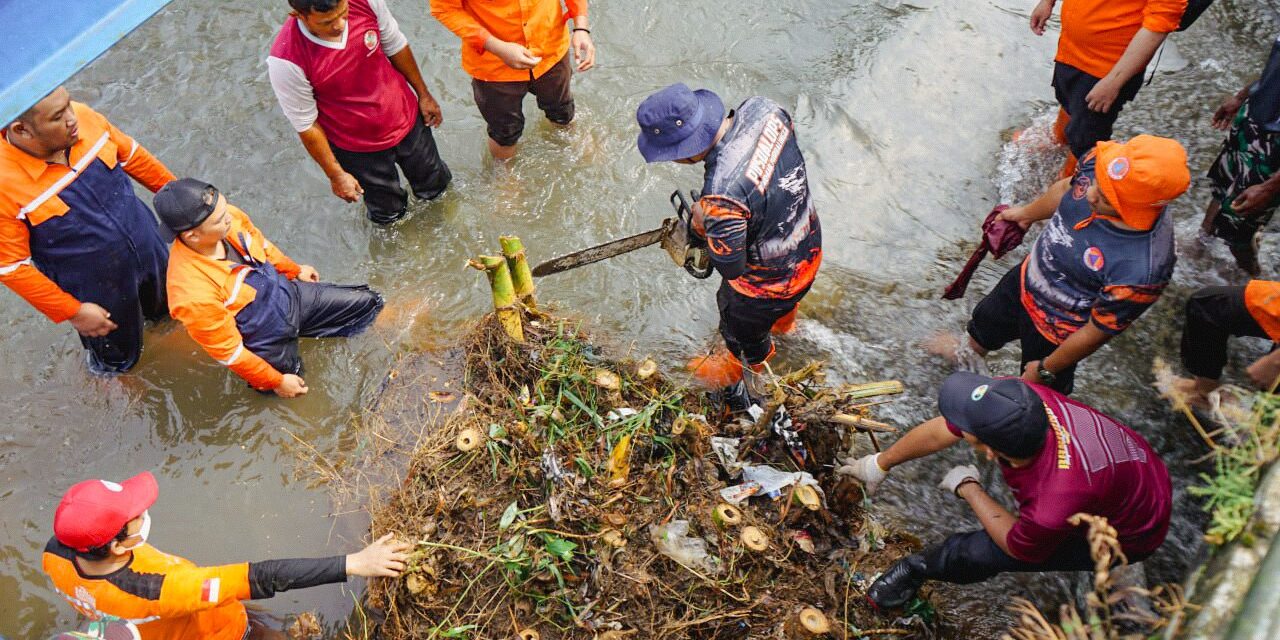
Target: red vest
x=363, y=103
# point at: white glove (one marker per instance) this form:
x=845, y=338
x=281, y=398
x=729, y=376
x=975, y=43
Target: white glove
x=866, y=469
x=957, y=475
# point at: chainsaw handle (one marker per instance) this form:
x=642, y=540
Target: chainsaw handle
x=697, y=245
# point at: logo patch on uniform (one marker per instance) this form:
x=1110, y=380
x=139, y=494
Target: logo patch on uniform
x=209, y=589
x=773, y=137
x=978, y=392
x=84, y=598
x=1081, y=188
x=371, y=40
x=1093, y=259
x=1118, y=168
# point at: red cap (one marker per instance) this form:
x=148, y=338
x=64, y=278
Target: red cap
x=1141, y=176
x=93, y=512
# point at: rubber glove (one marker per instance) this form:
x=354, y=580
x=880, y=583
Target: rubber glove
x=866, y=469
x=957, y=475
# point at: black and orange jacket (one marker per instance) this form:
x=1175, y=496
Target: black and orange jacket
x=759, y=218
x=169, y=598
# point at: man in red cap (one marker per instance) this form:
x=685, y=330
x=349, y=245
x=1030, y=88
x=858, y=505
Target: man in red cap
x=1104, y=257
x=99, y=560
x=1058, y=456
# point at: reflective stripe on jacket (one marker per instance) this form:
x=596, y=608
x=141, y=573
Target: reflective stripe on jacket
x=227, y=306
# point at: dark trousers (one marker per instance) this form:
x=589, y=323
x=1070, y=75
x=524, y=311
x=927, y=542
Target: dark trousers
x=964, y=558
x=385, y=200
x=323, y=311
x=1087, y=127
x=1214, y=314
x=501, y=104
x=1000, y=319
x=745, y=322
x=131, y=287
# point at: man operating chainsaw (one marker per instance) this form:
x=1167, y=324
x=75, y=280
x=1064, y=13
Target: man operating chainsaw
x=755, y=213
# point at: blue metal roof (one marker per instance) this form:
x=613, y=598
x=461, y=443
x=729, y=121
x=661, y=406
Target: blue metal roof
x=48, y=41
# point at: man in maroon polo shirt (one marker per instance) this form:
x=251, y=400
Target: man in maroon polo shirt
x=348, y=83
x=1058, y=456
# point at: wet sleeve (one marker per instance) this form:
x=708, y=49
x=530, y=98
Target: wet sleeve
x=19, y=274
x=213, y=327
x=389, y=33
x=575, y=8
x=455, y=18
x=186, y=590
x=293, y=92
x=138, y=162
x=272, y=576
x=725, y=221
x=1163, y=16
x=1031, y=542
x=1120, y=304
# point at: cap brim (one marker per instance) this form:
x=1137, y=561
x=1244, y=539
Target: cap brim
x=140, y=492
x=955, y=398
x=699, y=141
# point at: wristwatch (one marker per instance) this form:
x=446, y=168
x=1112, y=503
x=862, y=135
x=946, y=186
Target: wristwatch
x=1046, y=376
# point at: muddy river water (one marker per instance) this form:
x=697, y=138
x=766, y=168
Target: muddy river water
x=902, y=107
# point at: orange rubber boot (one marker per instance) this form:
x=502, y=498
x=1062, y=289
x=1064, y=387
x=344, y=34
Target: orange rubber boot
x=1068, y=167
x=1060, y=126
x=716, y=370
x=786, y=324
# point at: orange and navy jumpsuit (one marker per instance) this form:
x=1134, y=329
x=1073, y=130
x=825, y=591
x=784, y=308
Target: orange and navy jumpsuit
x=77, y=233
x=1215, y=314
x=760, y=224
x=170, y=598
x=247, y=311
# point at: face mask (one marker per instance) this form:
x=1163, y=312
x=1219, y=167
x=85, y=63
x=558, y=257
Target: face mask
x=143, y=532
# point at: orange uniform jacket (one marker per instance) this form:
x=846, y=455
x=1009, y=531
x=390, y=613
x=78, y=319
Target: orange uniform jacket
x=29, y=190
x=1262, y=299
x=168, y=597
x=1095, y=33
x=206, y=294
x=538, y=25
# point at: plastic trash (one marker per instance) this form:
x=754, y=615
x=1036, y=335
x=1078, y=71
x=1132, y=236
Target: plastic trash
x=673, y=541
x=759, y=479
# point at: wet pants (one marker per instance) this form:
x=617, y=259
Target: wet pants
x=132, y=297
x=1214, y=314
x=320, y=310
x=1000, y=319
x=745, y=322
x=385, y=200
x=964, y=558
x=1087, y=127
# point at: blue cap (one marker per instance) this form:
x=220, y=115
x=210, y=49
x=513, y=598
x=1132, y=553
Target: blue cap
x=678, y=123
x=1005, y=413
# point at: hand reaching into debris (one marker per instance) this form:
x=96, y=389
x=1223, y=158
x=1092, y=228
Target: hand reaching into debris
x=384, y=558
x=866, y=469
x=957, y=476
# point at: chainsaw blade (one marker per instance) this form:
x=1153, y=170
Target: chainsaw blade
x=599, y=252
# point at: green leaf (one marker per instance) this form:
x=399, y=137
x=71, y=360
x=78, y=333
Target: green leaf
x=496, y=431
x=584, y=467
x=508, y=516
x=460, y=632
x=559, y=547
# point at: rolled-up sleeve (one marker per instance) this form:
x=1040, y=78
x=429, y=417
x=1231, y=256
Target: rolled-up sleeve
x=293, y=92
x=393, y=39
x=1163, y=16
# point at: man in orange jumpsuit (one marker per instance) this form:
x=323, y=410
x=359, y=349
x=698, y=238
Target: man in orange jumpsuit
x=99, y=560
x=512, y=48
x=75, y=242
x=244, y=300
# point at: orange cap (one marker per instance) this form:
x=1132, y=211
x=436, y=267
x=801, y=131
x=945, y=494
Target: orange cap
x=1141, y=176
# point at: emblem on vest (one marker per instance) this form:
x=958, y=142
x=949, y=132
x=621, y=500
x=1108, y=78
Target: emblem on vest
x=371, y=41
x=1093, y=259
x=1081, y=188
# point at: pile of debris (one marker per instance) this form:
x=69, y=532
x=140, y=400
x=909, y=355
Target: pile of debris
x=570, y=495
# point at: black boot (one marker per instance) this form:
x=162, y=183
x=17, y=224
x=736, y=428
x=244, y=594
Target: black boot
x=898, y=585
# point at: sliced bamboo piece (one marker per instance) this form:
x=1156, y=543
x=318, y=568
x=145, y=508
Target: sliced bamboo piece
x=521, y=276
x=504, y=296
x=859, y=422
x=807, y=623
x=754, y=539
x=726, y=515
x=871, y=389
x=468, y=440
x=808, y=496
x=528, y=634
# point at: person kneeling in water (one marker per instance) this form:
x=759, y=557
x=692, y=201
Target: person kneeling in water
x=243, y=299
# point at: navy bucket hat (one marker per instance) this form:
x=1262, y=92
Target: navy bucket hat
x=677, y=123
x=1005, y=414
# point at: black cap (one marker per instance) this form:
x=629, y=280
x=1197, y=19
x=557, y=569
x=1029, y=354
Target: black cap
x=1005, y=414
x=185, y=204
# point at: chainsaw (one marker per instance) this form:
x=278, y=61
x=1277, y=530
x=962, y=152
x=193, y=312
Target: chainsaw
x=676, y=236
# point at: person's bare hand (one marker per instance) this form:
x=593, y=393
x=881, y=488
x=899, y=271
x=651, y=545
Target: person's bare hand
x=1103, y=95
x=1014, y=215
x=583, y=49
x=431, y=114
x=346, y=186
x=1226, y=113
x=1040, y=16
x=385, y=558
x=698, y=219
x=308, y=273
x=92, y=321
x=1264, y=371
x=291, y=386
x=1251, y=200
x=1031, y=372
x=512, y=54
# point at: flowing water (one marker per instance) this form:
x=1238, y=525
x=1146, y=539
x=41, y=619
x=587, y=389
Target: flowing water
x=903, y=109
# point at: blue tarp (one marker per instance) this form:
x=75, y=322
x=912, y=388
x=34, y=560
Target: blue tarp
x=48, y=41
